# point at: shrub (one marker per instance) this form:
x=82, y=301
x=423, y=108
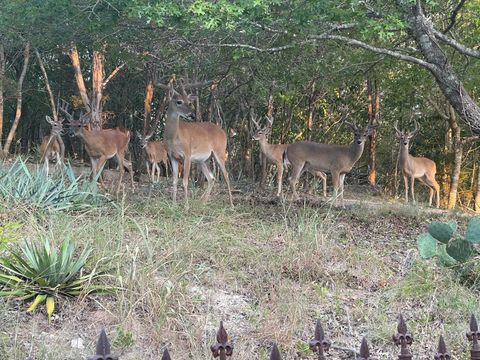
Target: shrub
x=8, y=234
x=42, y=273
x=36, y=189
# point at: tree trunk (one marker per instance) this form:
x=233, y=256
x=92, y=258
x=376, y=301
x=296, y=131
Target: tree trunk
x=2, y=78
x=423, y=32
x=263, y=178
x=18, y=112
x=373, y=118
x=457, y=160
x=79, y=78
x=148, y=108
x=97, y=87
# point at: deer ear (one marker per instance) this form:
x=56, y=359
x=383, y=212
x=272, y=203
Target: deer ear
x=49, y=119
x=139, y=135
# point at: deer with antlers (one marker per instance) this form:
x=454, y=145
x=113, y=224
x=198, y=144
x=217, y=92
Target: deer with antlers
x=338, y=160
x=189, y=142
x=274, y=153
x=52, y=146
x=156, y=153
x=102, y=144
x=413, y=167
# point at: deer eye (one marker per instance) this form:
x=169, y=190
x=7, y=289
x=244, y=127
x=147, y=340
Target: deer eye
x=179, y=102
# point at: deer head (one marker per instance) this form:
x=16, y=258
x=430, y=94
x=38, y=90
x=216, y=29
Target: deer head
x=180, y=103
x=57, y=126
x=262, y=132
x=360, y=135
x=75, y=125
x=405, y=136
x=144, y=139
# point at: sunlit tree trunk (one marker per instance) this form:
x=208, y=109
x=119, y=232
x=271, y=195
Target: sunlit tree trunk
x=19, y=96
x=373, y=117
x=457, y=159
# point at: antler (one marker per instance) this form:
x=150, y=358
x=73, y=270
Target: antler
x=395, y=126
x=269, y=120
x=257, y=125
x=416, y=130
x=352, y=126
x=64, y=108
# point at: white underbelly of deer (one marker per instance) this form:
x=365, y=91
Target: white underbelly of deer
x=201, y=157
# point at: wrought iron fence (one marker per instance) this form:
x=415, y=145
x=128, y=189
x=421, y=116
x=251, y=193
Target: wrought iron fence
x=319, y=345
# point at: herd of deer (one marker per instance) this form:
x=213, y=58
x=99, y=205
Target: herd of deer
x=194, y=142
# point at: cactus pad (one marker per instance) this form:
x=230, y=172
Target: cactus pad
x=427, y=246
x=442, y=231
x=460, y=249
x=444, y=258
x=473, y=231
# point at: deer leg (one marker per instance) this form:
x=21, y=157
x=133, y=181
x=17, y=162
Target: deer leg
x=166, y=168
x=412, y=188
x=336, y=185
x=121, y=169
x=157, y=165
x=186, y=173
x=147, y=164
x=279, y=178
x=296, y=172
x=433, y=187
x=45, y=165
x=210, y=181
x=324, y=181
x=342, y=183
x=221, y=162
x=175, y=178
x=405, y=180
x=98, y=168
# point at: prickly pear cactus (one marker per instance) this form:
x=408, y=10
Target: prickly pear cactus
x=443, y=257
x=427, y=246
x=452, y=249
x=473, y=231
x=460, y=249
x=442, y=231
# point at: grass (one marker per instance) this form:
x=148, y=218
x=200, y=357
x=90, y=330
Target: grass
x=267, y=270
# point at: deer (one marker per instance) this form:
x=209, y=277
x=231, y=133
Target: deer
x=188, y=142
x=413, y=167
x=52, y=145
x=101, y=145
x=156, y=153
x=338, y=160
x=274, y=153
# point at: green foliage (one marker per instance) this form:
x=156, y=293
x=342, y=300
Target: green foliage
x=124, y=339
x=8, y=233
x=37, y=190
x=442, y=231
x=453, y=248
x=473, y=231
x=427, y=246
x=42, y=273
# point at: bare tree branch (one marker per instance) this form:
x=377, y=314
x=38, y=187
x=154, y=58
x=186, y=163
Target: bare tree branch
x=456, y=45
x=453, y=16
x=114, y=72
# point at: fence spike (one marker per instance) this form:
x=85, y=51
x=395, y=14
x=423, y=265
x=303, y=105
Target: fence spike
x=474, y=335
x=364, y=351
x=222, y=348
x=442, y=353
x=166, y=355
x=319, y=344
x=403, y=338
x=275, y=354
x=103, y=348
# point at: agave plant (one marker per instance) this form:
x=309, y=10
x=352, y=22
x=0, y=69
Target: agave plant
x=63, y=192
x=41, y=273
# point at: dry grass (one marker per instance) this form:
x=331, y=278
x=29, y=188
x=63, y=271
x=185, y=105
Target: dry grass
x=267, y=269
